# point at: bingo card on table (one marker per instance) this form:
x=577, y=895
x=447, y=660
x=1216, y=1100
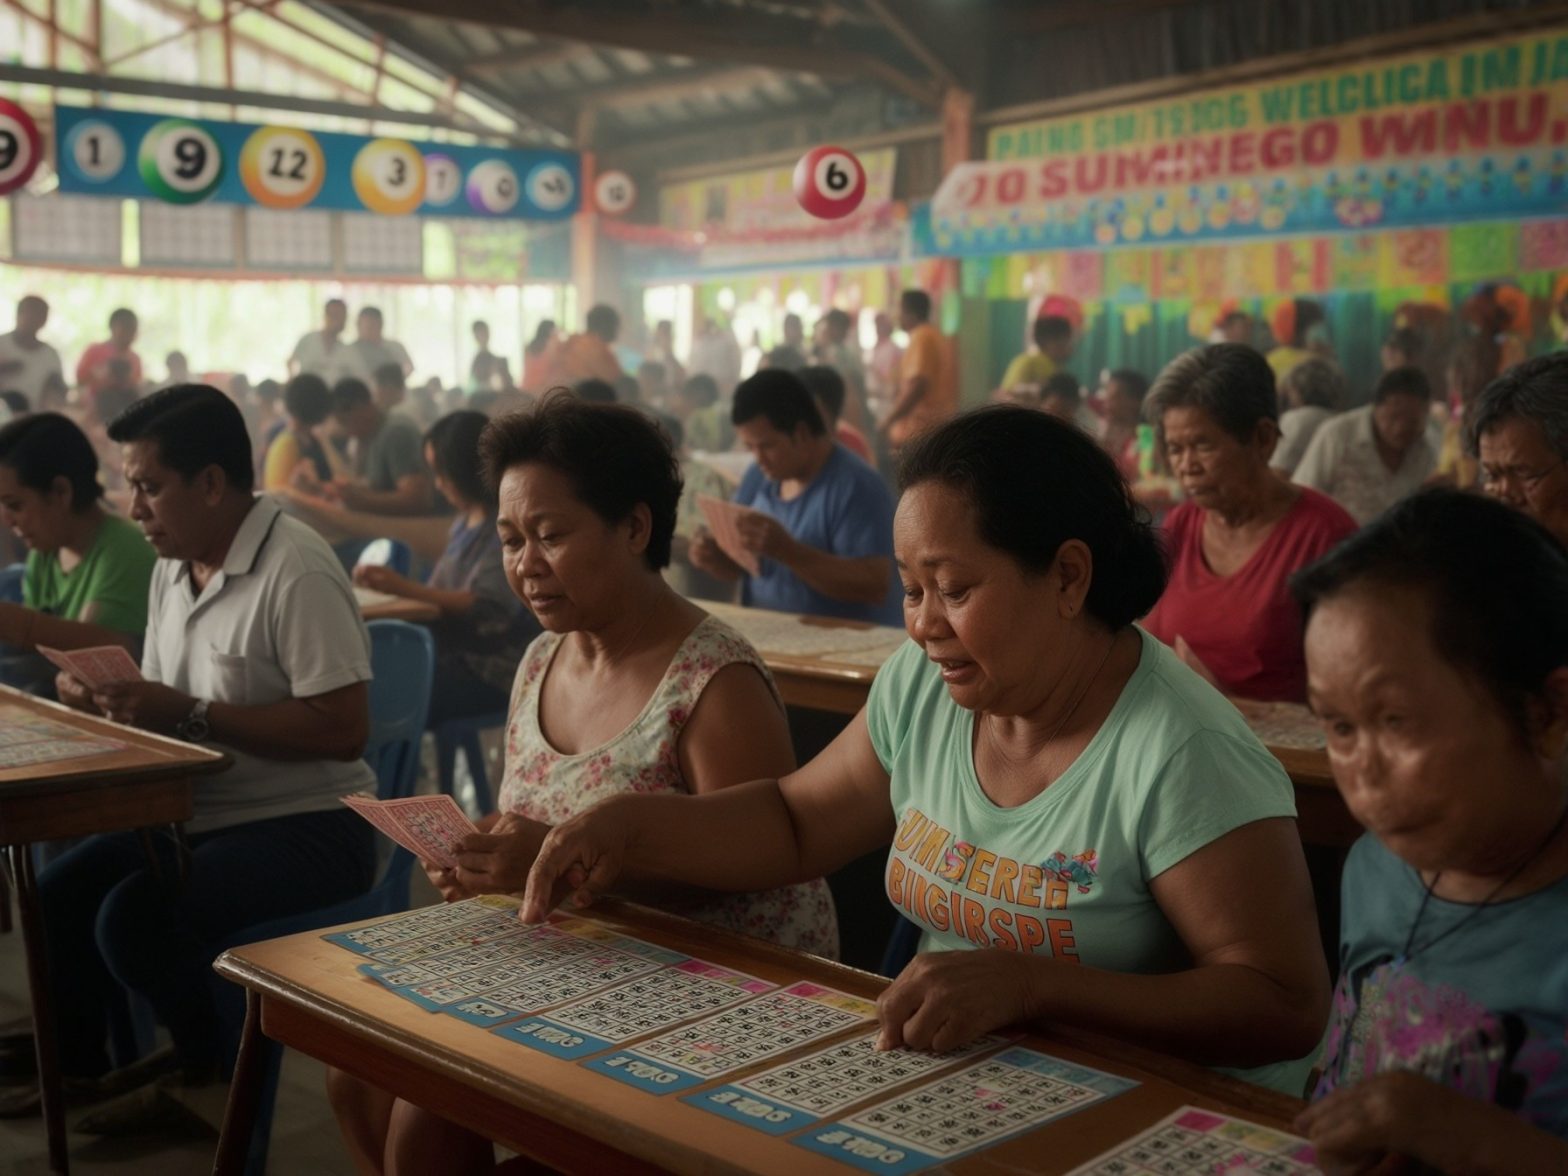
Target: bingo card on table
x=980, y=1105
x=737, y=1037
x=1193, y=1141
x=806, y=1089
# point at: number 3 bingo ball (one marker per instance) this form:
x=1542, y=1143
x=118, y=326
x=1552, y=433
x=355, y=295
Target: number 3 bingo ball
x=829, y=182
x=389, y=177
x=179, y=161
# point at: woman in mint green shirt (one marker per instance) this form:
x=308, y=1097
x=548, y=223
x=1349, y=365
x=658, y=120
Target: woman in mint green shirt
x=87, y=572
x=1091, y=823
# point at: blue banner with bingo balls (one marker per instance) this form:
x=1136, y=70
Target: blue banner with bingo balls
x=186, y=161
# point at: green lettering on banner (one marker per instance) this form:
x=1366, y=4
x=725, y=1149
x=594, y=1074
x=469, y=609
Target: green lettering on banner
x=1279, y=105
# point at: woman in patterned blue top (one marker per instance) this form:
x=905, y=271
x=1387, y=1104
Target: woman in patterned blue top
x=1446, y=707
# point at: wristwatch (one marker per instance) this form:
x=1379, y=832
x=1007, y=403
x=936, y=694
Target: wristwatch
x=193, y=728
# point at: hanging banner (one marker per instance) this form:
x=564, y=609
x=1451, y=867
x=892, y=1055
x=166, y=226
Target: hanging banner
x=1478, y=131
x=762, y=200
x=186, y=161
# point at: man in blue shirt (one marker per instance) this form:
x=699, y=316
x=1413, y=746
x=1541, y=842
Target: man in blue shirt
x=822, y=525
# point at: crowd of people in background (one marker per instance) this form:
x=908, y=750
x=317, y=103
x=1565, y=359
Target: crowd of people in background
x=1274, y=543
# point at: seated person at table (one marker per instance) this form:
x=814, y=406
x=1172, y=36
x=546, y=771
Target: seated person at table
x=1369, y=458
x=704, y=416
x=1087, y=833
x=307, y=401
x=1122, y=392
x=1309, y=395
x=1241, y=532
x=87, y=572
x=823, y=527
x=1519, y=432
x=483, y=627
x=391, y=475
x=255, y=647
x=1446, y=712
x=389, y=388
x=1062, y=397
x=629, y=690
x=827, y=389
x=1053, y=347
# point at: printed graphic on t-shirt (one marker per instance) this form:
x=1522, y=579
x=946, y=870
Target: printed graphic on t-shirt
x=955, y=887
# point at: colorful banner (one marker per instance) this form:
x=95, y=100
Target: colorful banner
x=186, y=161
x=761, y=200
x=1210, y=274
x=1472, y=132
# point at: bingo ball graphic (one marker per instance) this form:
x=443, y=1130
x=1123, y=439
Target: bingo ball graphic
x=180, y=161
x=389, y=177
x=551, y=187
x=282, y=167
x=20, y=146
x=443, y=180
x=614, y=193
x=829, y=182
x=493, y=188
x=95, y=150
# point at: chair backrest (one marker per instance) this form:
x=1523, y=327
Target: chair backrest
x=387, y=553
x=403, y=660
x=11, y=584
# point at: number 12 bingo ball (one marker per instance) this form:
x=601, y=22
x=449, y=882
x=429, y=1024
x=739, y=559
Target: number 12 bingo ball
x=829, y=182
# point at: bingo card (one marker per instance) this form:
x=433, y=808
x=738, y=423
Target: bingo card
x=1194, y=1141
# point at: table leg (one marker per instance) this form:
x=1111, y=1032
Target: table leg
x=44, y=1039
x=239, y=1117
x=182, y=852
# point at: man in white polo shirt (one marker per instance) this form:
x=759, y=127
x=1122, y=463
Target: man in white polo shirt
x=254, y=646
x=326, y=353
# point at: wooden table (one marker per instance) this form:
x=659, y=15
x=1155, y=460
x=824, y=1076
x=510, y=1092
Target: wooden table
x=379, y=606
x=829, y=665
x=148, y=782
x=308, y=994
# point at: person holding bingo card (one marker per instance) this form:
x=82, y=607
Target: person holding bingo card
x=1085, y=831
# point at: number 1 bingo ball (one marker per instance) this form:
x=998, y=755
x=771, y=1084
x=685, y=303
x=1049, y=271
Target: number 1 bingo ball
x=829, y=182
x=179, y=161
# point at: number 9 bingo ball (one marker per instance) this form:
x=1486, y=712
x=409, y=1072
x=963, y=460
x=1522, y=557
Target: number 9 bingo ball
x=829, y=182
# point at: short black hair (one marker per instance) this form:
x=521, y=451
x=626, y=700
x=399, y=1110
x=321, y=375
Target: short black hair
x=48, y=445
x=574, y=437
x=1317, y=382
x=1448, y=545
x=1230, y=381
x=123, y=315
x=1052, y=328
x=701, y=388
x=1035, y=482
x=390, y=375
x=604, y=321
x=194, y=426
x=1065, y=385
x=782, y=398
x=1133, y=382
x=307, y=399
x=1402, y=381
x=1406, y=341
x=916, y=302
x=348, y=394
x=454, y=443
x=595, y=391
x=838, y=319
x=1536, y=390
x=826, y=385
x=371, y=312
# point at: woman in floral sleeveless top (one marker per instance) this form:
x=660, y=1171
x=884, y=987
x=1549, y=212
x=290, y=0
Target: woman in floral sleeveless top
x=631, y=688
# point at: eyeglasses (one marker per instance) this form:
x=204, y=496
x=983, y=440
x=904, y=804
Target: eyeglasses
x=1527, y=480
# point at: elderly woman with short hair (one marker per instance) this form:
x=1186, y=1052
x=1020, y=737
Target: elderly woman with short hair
x=1242, y=530
x=1311, y=392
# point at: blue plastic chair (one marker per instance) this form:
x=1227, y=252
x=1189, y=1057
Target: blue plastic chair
x=403, y=659
x=462, y=736
x=387, y=553
x=11, y=584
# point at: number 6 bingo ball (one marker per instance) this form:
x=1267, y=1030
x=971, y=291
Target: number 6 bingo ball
x=829, y=182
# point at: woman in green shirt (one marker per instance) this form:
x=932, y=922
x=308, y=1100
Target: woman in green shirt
x=1085, y=831
x=87, y=572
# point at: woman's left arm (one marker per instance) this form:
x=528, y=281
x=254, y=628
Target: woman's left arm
x=1257, y=990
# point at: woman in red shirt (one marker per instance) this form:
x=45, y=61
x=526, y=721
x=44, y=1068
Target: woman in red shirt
x=1241, y=532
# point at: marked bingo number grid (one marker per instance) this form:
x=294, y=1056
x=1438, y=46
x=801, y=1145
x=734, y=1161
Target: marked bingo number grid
x=551, y=965
x=980, y=1105
x=737, y=1037
x=823, y=1083
x=1193, y=1141
x=640, y=1006
x=433, y=930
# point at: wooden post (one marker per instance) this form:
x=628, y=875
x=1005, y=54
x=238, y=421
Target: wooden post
x=585, y=224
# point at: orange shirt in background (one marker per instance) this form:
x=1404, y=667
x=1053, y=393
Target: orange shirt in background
x=926, y=356
x=588, y=357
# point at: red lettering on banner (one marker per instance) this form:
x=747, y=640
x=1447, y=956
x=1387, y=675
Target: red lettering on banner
x=1053, y=179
